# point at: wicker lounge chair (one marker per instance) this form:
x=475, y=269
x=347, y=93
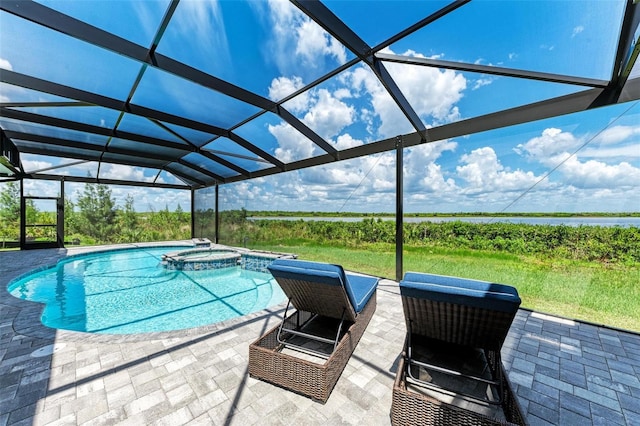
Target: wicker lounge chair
x=333, y=309
x=442, y=311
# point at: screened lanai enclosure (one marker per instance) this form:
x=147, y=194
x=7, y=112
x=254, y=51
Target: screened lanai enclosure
x=339, y=106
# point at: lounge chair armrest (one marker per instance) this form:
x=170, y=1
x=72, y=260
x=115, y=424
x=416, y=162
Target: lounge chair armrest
x=360, y=289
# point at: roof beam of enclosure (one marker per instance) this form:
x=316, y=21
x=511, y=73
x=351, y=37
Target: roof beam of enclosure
x=200, y=169
x=86, y=155
x=204, y=152
x=628, y=48
x=22, y=80
x=320, y=14
x=484, y=69
x=167, y=159
x=79, y=179
x=66, y=104
x=420, y=24
x=88, y=128
x=70, y=26
x=154, y=44
x=34, y=83
x=72, y=125
x=50, y=140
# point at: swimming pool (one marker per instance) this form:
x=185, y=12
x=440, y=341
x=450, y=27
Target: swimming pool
x=129, y=291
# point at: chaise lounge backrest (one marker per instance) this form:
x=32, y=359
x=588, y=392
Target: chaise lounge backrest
x=323, y=288
x=458, y=310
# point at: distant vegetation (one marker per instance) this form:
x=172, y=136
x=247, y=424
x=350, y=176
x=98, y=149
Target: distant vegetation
x=270, y=213
x=584, y=243
x=94, y=219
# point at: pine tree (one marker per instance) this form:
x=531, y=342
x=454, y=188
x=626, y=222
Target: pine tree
x=10, y=203
x=97, y=212
x=10, y=212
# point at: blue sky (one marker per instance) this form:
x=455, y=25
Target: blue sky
x=580, y=162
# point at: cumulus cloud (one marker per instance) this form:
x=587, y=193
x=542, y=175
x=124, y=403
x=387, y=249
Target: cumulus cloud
x=5, y=64
x=325, y=113
x=35, y=165
x=483, y=172
x=282, y=87
x=346, y=141
x=596, y=174
x=314, y=41
x=555, y=147
x=291, y=144
x=433, y=94
x=123, y=172
x=328, y=115
x=552, y=146
x=299, y=45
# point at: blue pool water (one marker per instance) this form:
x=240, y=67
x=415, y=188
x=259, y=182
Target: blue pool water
x=128, y=291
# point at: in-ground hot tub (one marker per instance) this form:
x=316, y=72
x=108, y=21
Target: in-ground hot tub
x=199, y=259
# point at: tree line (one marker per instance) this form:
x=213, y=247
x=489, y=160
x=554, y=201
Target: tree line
x=95, y=218
x=608, y=245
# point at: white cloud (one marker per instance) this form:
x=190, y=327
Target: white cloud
x=282, y=87
x=431, y=92
x=5, y=64
x=314, y=41
x=552, y=145
x=482, y=82
x=628, y=152
x=298, y=45
x=328, y=115
x=483, y=172
x=346, y=141
x=206, y=20
x=123, y=172
x=577, y=30
x=35, y=165
x=343, y=93
x=291, y=144
x=596, y=174
x=325, y=113
x=617, y=134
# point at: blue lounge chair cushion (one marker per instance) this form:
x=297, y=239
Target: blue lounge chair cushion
x=358, y=288
x=462, y=291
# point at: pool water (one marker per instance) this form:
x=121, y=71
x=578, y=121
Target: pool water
x=128, y=291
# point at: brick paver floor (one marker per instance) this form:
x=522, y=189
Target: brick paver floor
x=564, y=372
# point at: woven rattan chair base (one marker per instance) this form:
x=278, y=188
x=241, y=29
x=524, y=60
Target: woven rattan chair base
x=413, y=408
x=314, y=380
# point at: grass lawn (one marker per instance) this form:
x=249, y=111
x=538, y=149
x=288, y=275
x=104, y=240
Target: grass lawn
x=591, y=292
